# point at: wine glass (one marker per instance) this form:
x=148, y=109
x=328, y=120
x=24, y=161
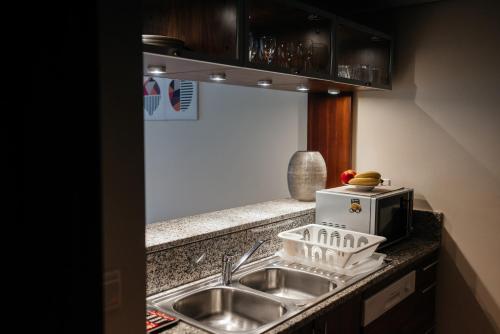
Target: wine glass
x=290, y=54
x=253, y=48
x=308, y=54
x=268, y=45
x=281, y=55
x=299, y=56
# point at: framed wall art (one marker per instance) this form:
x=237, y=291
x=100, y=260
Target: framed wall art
x=170, y=99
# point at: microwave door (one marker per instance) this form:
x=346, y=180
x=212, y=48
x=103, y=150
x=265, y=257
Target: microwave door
x=392, y=217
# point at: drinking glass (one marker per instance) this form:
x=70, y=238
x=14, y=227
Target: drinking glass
x=253, y=48
x=281, y=55
x=308, y=45
x=290, y=54
x=268, y=45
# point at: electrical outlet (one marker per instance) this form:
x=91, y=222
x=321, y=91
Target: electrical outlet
x=386, y=182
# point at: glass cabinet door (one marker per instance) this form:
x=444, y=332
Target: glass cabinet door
x=196, y=29
x=363, y=56
x=288, y=37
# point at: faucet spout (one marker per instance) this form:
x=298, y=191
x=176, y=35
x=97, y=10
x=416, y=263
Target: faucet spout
x=228, y=269
x=244, y=258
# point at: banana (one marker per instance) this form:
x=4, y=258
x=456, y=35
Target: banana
x=364, y=181
x=369, y=174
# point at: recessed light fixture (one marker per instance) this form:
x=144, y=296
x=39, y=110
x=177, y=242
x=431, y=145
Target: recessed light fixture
x=217, y=76
x=264, y=83
x=157, y=69
x=333, y=91
x=302, y=88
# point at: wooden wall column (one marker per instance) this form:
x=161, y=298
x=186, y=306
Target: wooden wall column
x=329, y=131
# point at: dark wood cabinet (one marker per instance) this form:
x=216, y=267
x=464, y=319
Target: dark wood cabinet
x=289, y=37
x=208, y=29
x=288, y=42
x=363, y=56
x=344, y=319
x=416, y=313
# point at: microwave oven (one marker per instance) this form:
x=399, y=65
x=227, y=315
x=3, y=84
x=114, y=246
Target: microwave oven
x=386, y=211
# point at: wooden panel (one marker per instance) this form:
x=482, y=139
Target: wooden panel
x=329, y=131
x=345, y=319
x=206, y=27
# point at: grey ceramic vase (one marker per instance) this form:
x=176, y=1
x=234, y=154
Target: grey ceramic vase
x=306, y=174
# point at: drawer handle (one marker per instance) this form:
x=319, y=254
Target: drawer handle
x=430, y=287
x=429, y=266
x=393, y=299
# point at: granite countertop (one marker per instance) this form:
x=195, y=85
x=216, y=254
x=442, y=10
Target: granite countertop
x=400, y=256
x=174, y=232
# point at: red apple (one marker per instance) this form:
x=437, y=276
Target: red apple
x=347, y=175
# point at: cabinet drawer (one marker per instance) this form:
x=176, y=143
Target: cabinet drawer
x=389, y=297
x=427, y=273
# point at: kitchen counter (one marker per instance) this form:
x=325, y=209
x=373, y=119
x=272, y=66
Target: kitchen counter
x=175, y=232
x=425, y=240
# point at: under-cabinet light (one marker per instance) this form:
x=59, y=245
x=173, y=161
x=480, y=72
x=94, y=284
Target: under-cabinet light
x=157, y=69
x=264, y=83
x=302, y=88
x=333, y=91
x=217, y=76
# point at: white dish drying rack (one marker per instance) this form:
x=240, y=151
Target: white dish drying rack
x=329, y=248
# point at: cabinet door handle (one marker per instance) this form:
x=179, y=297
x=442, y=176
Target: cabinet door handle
x=429, y=266
x=430, y=287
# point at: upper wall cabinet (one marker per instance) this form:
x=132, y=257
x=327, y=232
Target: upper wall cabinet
x=284, y=41
x=363, y=56
x=288, y=37
x=200, y=29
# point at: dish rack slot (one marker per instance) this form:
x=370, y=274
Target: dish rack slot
x=328, y=247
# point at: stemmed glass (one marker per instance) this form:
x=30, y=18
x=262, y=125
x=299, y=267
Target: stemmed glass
x=268, y=47
x=281, y=55
x=308, y=54
x=253, y=48
x=290, y=54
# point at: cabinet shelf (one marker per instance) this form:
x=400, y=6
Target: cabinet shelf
x=190, y=69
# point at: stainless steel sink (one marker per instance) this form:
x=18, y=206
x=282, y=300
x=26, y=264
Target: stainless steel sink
x=229, y=309
x=262, y=295
x=288, y=283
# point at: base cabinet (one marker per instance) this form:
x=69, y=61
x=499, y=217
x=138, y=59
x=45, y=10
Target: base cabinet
x=344, y=319
x=414, y=314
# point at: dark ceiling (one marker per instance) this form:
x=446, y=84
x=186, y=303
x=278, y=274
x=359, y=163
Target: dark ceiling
x=363, y=6
x=374, y=13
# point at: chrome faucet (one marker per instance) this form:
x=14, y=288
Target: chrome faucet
x=228, y=268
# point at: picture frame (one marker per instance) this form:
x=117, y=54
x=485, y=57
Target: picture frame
x=169, y=99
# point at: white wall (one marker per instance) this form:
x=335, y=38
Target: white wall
x=438, y=131
x=237, y=153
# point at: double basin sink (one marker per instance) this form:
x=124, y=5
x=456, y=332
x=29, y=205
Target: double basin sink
x=262, y=295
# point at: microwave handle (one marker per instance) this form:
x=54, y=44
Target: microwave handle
x=409, y=208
